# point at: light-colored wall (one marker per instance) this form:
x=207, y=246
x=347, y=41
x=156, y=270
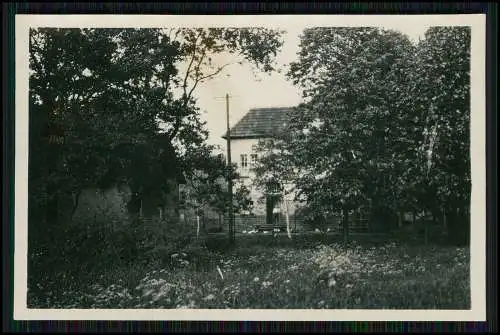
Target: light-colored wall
x=239, y=147
x=103, y=206
x=246, y=146
x=110, y=206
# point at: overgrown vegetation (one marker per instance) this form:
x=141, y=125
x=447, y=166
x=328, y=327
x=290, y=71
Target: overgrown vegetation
x=263, y=273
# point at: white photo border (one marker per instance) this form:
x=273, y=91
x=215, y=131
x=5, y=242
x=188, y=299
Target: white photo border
x=477, y=22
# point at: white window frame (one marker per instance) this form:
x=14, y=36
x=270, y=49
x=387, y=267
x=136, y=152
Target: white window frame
x=244, y=161
x=253, y=159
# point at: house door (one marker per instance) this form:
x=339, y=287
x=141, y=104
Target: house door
x=272, y=209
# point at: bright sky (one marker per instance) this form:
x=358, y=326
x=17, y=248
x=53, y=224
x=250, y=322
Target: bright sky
x=250, y=90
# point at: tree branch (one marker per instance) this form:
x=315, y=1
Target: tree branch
x=188, y=71
x=185, y=96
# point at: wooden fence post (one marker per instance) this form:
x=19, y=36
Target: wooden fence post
x=197, y=226
x=287, y=220
x=345, y=223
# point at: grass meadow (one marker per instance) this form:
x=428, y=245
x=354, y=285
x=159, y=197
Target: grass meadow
x=265, y=273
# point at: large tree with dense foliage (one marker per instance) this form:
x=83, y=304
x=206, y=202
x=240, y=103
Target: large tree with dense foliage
x=384, y=122
x=122, y=102
x=441, y=106
x=346, y=129
x=116, y=94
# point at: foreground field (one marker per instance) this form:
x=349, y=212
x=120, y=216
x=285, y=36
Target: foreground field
x=278, y=276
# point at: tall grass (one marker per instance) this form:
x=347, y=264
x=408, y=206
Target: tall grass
x=262, y=272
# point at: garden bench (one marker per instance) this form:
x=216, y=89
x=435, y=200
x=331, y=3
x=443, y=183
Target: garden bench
x=270, y=227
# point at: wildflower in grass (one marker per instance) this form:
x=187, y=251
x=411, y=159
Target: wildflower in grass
x=147, y=293
x=332, y=282
x=266, y=284
x=191, y=304
x=220, y=272
x=209, y=297
x=256, y=279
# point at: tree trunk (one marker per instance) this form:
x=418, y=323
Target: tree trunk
x=463, y=227
x=287, y=220
x=269, y=210
x=400, y=220
x=345, y=223
x=52, y=210
x=140, y=209
x=76, y=200
x=426, y=230
x=445, y=224
x=197, y=226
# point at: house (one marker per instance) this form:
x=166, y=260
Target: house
x=257, y=124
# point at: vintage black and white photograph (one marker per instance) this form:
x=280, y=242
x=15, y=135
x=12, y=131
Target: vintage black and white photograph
x=274, y=166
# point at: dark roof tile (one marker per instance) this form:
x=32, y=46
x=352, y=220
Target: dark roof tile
x=260, y=122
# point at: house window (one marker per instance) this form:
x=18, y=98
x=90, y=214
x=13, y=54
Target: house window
x=253, y=159
x=243, y=161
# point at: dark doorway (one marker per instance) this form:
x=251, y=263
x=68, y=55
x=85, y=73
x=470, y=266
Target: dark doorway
x=271, y=203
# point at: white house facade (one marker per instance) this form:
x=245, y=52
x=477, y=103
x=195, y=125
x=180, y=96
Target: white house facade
x=257, y=124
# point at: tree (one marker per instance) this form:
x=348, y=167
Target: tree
x=441, y=95
x=207, y=183
x=114, y=90
x=347, y=131
x=122, y=101
x=384, y=123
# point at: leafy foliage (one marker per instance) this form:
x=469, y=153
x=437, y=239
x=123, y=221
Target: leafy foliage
x=207, y=183
x=384, y=123
x=113, y=96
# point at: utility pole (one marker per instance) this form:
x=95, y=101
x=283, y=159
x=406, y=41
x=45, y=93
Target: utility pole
x=229, y=179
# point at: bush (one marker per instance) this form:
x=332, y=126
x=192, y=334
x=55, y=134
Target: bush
x=85, y=251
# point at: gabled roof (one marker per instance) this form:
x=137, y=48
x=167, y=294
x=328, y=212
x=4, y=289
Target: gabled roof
x=260, y=122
